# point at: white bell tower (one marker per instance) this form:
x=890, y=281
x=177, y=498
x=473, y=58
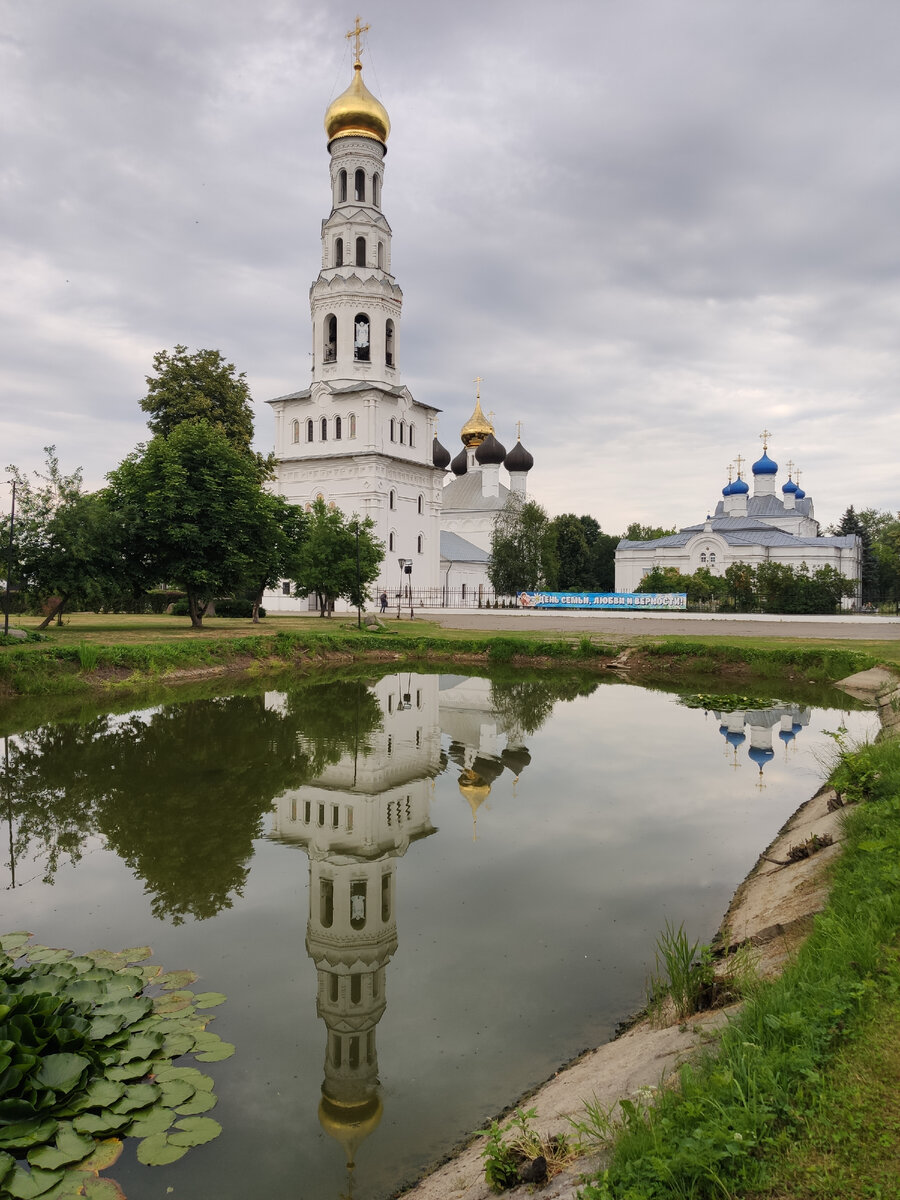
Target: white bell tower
x=356, y=436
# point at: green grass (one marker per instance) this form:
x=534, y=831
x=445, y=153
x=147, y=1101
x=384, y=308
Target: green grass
x=722, y=1131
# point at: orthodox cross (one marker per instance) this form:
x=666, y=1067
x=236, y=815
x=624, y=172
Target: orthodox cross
x=798, y=473
x=790, y=468
x=478, y=382
x=730, y=471
x=490, y=416
x=518, y=431
x=357, y=33
x=764, y=436
x=739, y=462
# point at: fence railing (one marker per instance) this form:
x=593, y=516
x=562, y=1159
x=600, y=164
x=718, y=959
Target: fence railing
x=461, y=597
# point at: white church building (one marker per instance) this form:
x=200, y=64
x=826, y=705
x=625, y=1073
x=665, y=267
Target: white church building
x=748, y=528
x=356, y=436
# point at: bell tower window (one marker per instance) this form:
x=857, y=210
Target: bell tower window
x=338, y=252
x=361, y=338
x=376, y=190
x=324, y=429
x=359, y=185
x=360, y=251
x=330, y=347
x=389, y=343
x=309, y=430
x=381, y=256
x=342, y=187
x=337, y=429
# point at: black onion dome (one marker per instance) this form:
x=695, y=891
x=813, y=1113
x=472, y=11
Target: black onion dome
x=490, y=452
x=518, y=459
x=440, y=455
x=460, y=464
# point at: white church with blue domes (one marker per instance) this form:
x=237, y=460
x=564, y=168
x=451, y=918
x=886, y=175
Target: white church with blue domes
x=749, y=527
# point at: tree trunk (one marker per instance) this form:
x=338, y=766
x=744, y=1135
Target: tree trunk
x=196, y=611
x=55, y=612
x=257, y=601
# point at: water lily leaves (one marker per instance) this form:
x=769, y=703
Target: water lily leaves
x=150, y=971
x=61, y=1072
x=177, y=1044
x=156, y=1120
x=105, y=1154
x=194, y=1131
x=200, y=1102
x=156, y=1151
x=100, y=1093
x=25, y=1134
x=211, y=1048
x=98, y=1123
x=176, y=979
x=175, y=1092
x=12, y=943
x=137, y=1096
x=171, y=1002
x=7, y=1162
x=103, y=1189
x=135, y=954
x=190, y=1075
x=209, y=999
x=141, y=1046
x=47, y=954
x=25, y=1185
x=127, y=1072
x=71, y=1147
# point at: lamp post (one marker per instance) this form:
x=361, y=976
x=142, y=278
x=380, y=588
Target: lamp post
x=9, y=559
x=402, y=562
x=408, y=570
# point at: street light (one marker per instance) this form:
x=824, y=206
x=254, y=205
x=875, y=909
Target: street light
x=408, y=570
x=402, y=562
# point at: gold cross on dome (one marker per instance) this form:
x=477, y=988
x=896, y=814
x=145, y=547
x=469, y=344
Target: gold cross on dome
x=518, y=431
x=764, y=437
x=739, y=461
x=490, y=416
x=730, y=472
x=790, y=468
x=478, y=381
x=797, y=473
x=357, y=33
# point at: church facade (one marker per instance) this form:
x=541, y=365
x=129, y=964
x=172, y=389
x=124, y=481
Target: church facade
x=748, y=528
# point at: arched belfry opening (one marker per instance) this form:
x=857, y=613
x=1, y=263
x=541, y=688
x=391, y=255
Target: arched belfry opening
x=359, y=185
x=360, y=251
x=361, y=344
x=389, y=343
x=330, y=347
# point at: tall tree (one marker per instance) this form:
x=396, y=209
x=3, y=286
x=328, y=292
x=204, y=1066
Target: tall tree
x=645, y=533
x=199, y=387
x=865, y=525
x=523, y=548
x=276, y=545
x=339, y=558
x=189, y=511
x=572, y=552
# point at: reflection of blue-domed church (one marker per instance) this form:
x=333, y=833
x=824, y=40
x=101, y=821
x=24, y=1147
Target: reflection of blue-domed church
x=756, y=727
x=749, y=527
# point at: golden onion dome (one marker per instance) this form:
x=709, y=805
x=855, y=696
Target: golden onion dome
x=477, y=428
x=356, y=113
x=350, y=1123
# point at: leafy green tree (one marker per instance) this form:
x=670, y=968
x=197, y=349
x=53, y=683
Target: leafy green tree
x=572, y=552
x=866, y=526
x=703, y=586
x=339, y=558
x=188, y=507
x=645, y=533
x=523, y=548
x=277, y=542
x=741, y=580
x=198, y=387
x=663, y=579
x=61, y=548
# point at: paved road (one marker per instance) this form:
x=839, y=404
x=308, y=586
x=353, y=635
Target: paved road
x=629, y=625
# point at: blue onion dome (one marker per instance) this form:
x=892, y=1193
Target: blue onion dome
x=518, y=459
x=740, y=487
x=460, y=464
x=735, y=739
x=765, y=466
x=786, y=735
x=799, y=494
x=490, y=452
x=727, y=489
x=790, y=486
x=760, y=756
x=440, y=455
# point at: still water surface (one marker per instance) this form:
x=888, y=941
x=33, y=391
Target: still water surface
x=420, y=894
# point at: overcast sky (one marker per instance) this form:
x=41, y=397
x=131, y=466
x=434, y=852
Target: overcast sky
x=654, y=227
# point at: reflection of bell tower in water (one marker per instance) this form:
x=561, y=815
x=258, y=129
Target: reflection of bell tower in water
x=356, y=820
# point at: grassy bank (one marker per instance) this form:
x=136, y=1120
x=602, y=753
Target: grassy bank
x=727, y=1128
x=96, y=653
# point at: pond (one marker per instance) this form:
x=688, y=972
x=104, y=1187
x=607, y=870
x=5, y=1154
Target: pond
x=420, y=893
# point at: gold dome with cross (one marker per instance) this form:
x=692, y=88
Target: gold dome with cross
x=356, y=112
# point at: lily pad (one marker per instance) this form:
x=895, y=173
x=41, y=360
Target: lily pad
x=171, y=1002
x=100, y=1093
x=176, y=979
x=157, y=1120
x=13, y=942
x=156, y=1151
x=194, y=1131
x=178, y=1044
x=61, y=1072
x=200, y=1102
x=103, y=1189
x=102, y=1122
x=215, y=1051
x=175, y=1092
x=138, y=1068
x=138, y=1096
x=48, y=955
x=141, y=1046
x=135, y=954
x=25, y=1185
x=106, y=1153
x=7, y=1162
x=190, y=1075
x=71, y=1147
x=209, y=999
x=25, y=1134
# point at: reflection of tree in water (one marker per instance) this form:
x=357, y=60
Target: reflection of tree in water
x=179, y=793
x=525, y=704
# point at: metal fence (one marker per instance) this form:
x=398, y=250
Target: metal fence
x=461, y=597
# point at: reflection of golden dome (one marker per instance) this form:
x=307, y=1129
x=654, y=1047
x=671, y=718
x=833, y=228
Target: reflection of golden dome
x=350, y=1123
x=356, y=113
x=476, y=428
x=474, y=790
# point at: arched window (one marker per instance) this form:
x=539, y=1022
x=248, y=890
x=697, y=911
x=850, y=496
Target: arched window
x=389, y=342
x=342, y=187
x=309, y=430
x=351, y=423
x=420, y=543
x=381, y=256
x=326, y=903
x=337, y=429
x=330, y=348
x=360, y=251
x=402, y=433
x=324, y=427
x=357, y=904
x=412, y=435
x=703, y=557
x=391, y=546
x=338, y=252
x=392, y=499
x=295, y=431
x=421, y=504
x=385, y=898
x=376, y=190
x=359, y=185
x=393, y=430
x=712, y=556
x=361, y=337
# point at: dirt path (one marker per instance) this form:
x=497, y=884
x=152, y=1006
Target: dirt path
x=631, y=625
